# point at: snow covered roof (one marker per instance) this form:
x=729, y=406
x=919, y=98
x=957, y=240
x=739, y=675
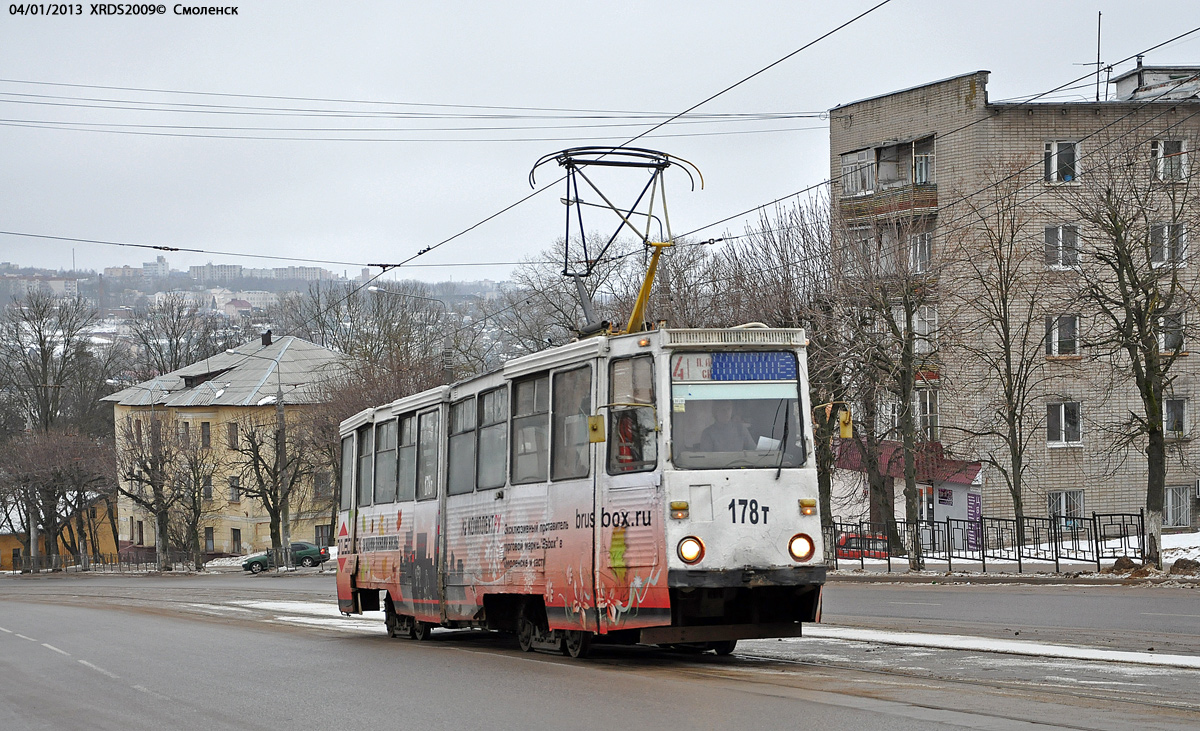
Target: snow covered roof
x=250, y=375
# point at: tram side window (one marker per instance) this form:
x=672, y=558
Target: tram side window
x=428, y=437
x=570, y=454
x=408, y=458
x=347, y=472
x=530, y=427
x=493, y=438
x=385, y=462
x=633, y=433
x=460, y=460
x=365, y=461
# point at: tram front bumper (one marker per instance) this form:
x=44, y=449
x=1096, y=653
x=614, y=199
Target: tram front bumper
x=724, y=578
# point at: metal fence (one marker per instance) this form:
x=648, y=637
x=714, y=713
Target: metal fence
x=1052, y=539
x=134, y=561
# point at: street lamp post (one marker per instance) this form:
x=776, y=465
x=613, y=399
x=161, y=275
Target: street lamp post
x=447, y=339
x=280, y=453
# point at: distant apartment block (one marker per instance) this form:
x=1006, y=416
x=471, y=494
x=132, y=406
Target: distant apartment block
x=21, y=285
x=157, y=269
x=910, y=169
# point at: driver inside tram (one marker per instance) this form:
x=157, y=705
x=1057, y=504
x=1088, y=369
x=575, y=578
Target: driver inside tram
x=725, y=434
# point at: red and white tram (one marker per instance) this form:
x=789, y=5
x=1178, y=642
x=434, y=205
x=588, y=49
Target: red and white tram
x=657, y=487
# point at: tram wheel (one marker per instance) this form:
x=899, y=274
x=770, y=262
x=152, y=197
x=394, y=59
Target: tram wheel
x=576, y=643
x=420, y=631
x=525, y=633
x=724, y=647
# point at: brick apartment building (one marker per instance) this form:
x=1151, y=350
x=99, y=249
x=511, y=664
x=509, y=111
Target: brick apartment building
x=909, y=167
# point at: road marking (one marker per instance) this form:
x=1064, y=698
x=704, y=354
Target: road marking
x=147, y=691
x=1164, y=614
x=9, y=631
x=923, y=604
x=18, y=634
x=97, y=668
x=52, y=647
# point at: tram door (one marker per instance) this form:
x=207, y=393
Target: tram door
x=630, y=554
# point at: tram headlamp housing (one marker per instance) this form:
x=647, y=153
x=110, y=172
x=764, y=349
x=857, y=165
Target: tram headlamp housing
x=690, y=550
x=801, y=547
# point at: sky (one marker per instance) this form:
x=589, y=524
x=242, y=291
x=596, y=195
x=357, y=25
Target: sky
x=338, y=131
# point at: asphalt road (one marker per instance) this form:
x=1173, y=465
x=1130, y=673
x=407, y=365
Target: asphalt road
x=268, y=652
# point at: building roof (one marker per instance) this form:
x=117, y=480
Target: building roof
x=911, y=88
x=932, y=464
x=249, y=375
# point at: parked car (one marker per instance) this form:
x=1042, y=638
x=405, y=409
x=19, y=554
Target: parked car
x=303, y=554
x=856, y=545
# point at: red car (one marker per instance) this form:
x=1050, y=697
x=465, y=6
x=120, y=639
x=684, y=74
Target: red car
x=855, y=545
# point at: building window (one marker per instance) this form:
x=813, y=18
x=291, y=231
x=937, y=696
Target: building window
x=185, y=434
x=1170, y=333
x=1063, y=424
x=1062, y=335
x=205, y=435
x=139, y=534
x=323, y=535
x=1065, y=503
x=925, y=327
x=1174, y=418
x=209, y=541
x=235, y=538
x=137, y=432
x=233, y=435
x=920, y=252
x=1062, y=246
x=1060, y=162
x=858, y=172
x=235, y=489
x=206, y=488
x=1170, y=160
x=322, y=485
x=1177, y=507
x=1168, y=243
x=925, y=411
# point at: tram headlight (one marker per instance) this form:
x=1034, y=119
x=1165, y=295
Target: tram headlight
x=690, y=550
x=801, y=547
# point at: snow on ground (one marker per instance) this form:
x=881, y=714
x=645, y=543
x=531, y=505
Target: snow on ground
x=1010, y=647
x=1181, y=545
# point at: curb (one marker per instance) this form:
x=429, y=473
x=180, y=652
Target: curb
x=972, y=578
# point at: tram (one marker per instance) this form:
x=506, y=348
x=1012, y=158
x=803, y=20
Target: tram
x=656, y=487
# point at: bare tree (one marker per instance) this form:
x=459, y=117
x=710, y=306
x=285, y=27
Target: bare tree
x=274, y=463
x=174, y=333
x=1135, y=280
x=148, y=457
x=196, y=466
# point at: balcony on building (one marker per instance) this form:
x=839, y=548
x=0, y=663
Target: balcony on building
x=889, y=180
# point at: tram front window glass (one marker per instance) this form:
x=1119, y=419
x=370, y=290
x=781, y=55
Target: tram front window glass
x=407, y=471
x=365, y=453
x=493, y=438
x=530, y=427
x=734, y=410
x=572, y=406
x=632, y=432
x=427, y=454
x=347, y=472
x=385, y=462
x=460, y=460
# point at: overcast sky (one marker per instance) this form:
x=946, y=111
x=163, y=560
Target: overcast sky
x=180, y=173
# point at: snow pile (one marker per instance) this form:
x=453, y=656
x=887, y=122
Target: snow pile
x=1181, y=545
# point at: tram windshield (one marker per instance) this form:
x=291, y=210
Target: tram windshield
x=735, y=410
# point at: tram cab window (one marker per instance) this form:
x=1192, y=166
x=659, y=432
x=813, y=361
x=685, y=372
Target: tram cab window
x=428, y=438
x=460, y=459
x=493, y=438
x=347, y=473
x=530, y=427
x=407, y=470
x=570, y=453
x=736, y=410
x=365, y=462
x=385, y=462
x=632, y=428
